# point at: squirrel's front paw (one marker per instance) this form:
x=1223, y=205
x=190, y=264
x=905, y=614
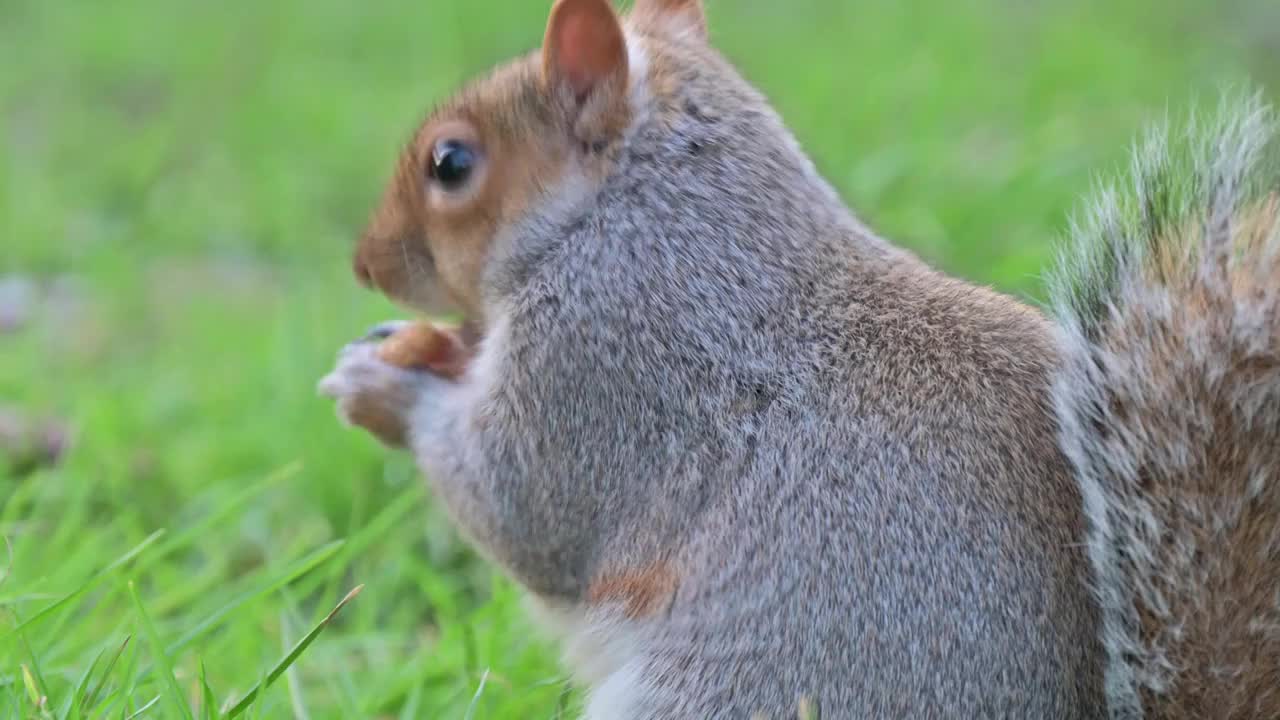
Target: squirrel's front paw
x=373, y=393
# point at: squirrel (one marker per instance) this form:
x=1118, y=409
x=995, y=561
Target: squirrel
x=746, y=456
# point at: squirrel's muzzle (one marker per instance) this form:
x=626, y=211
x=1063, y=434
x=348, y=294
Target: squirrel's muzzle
x=361, y=271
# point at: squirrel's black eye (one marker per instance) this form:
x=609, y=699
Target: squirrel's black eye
x=451, y=163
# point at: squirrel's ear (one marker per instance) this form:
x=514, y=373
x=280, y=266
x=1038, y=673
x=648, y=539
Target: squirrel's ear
x=684, y=17
x=584, y=49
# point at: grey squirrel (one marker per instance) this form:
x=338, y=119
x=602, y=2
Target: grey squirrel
x=745, y=455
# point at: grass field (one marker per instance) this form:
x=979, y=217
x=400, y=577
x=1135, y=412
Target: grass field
x=180, y=183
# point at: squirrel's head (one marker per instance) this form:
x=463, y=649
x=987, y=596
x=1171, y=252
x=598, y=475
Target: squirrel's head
x=537, y=132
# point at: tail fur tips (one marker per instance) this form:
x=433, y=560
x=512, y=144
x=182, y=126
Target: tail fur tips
x=1169, y=399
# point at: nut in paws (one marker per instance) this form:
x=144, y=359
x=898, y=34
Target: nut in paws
x=372, y=393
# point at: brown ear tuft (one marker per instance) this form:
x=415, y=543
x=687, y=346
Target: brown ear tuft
x=584, y=47
x=672, y=16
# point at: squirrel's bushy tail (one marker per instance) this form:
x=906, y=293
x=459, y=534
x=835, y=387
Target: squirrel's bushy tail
x=1169, y=398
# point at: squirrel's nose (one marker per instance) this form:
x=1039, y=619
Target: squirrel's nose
x=361, y=270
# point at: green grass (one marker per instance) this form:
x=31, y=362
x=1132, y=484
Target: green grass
x=198, y=170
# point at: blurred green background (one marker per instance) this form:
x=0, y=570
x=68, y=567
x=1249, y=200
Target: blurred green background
x=180, y=183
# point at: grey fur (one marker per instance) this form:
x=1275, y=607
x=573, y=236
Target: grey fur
x=848, y=469
x=849, y=459
x=1169, y=299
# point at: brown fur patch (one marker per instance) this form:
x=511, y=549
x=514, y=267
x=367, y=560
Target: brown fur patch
x=1208, y=619
x=642, y=592
x=382, y=420
x=1250, y=233
x=428, y=248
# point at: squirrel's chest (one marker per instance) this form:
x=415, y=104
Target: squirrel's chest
x=603, y=651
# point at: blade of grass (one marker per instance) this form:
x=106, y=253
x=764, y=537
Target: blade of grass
x=161, y=658
x=289, y=659
x=34, y=693
x=54, y=631
x=131, y=674
x=208, y=703
x=291, y=675
x=338, y=691
x=298, y=569
x=469, y=653
x=562, y=703
x=295, y=571
x=175, y=542
x=92, y=698
x=382, y=523
x=412, y=678
x=129, y=687
x=91, y=583
x=32, y=675
x=410, y=709
x=142, y=709
x=475, y=699
x=200, y=529
x=255, y=707
x=75, y=701
x=8, y=567
x=355, y=521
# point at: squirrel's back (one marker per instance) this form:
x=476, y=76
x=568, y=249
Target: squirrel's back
x=1169, y=400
